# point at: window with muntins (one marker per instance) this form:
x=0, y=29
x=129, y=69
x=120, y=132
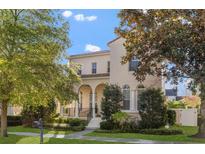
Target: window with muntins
x=94, y=68
x=108, y=66
x=126, y=97
x=133, y=64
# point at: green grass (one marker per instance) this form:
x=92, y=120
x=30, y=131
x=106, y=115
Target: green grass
x=36, y=130
x=185, y=138
x=14, y=139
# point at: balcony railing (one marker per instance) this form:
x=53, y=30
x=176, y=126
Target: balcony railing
x=95, y=75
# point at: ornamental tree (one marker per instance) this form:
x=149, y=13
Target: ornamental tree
x=32, y=43
x=174, y=36
x=111, y=101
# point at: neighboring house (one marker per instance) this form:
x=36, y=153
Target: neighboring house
x=100, y=68
x=12, y=110
x=171, y=94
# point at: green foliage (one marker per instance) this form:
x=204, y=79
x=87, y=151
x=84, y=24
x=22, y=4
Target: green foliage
x=152, y=109
x=77, y=122
x=160, y=131
x=120, y=117
x=13, y=120
x=107, y=125
x=176, y=104
x=73, y=124
x=169, y=43
x=164, y=33
x=171, y=117
x=33, y=44
x=32, y=113
x=112, y=96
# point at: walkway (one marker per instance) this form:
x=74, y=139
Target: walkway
x=80, y=135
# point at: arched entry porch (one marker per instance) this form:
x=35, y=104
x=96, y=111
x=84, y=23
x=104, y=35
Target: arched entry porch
x=89, y=100
x=98, y=98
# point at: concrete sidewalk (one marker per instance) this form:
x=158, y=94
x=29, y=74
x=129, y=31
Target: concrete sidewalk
x=80, y=135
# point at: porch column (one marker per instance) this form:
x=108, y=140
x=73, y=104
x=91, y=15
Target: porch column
x=132, y=102
x=93, y=105
x=76, y=109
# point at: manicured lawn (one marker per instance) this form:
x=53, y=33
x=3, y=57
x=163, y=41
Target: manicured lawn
x=185, y=138
x=36, y=130
x=14, y=139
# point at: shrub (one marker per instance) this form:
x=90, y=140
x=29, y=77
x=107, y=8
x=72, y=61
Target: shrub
x=152, y=109
x=171, y=117
x=13, y=120
x=176, y=104
x=77, y=128
x=130, y=127
x=112, y=96
x=76, y=122
x=107, y=125
x=160, y=131
x=32, y=113
x=120, y=118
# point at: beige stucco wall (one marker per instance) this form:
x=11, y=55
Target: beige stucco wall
x=120, y=74
x=86, y=62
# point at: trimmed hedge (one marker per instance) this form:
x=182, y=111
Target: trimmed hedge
x=171, y=117
x=13, y=120
x=144, y=131
x=107, y=125
x=73, y=124
x=160, y=131
x=57, y=126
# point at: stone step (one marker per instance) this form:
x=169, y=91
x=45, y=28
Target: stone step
x=94, y=123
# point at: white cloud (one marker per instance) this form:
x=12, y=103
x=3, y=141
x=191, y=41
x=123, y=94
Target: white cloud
x=79, y=17
x=91, y=18
x=82, y=17
x=67, y=14
x=92, y=48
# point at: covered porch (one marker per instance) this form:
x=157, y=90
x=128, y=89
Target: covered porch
x=88, y=105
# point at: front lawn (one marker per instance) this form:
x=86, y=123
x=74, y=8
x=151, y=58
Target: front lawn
x=185, y=138
x=14, y=139
x=36, y=130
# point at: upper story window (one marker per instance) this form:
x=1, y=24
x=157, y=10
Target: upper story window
x=108, y=66
x=80, y=70
x=94, y=68
x=133, y=64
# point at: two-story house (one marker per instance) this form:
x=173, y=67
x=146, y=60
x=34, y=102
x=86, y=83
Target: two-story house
x=99, y=68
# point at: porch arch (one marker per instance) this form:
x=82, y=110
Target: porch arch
x=98, y=97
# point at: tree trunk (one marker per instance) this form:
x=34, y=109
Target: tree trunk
x=4, y=119
x=201, y=130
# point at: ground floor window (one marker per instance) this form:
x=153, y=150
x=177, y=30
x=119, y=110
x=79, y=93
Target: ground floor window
x=126, y=97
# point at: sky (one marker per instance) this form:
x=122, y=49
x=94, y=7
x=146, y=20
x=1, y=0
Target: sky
x=91, y=30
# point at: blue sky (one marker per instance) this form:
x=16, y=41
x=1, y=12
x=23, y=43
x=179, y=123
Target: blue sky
x=90, y=30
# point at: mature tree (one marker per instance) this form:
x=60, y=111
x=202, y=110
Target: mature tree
x=175, y=36
x=32, y=43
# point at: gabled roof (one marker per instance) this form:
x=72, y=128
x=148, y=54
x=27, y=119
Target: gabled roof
x=113, y=40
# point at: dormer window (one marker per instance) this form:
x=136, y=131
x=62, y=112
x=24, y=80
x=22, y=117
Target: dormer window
x=133, y=64
x=94, y=68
